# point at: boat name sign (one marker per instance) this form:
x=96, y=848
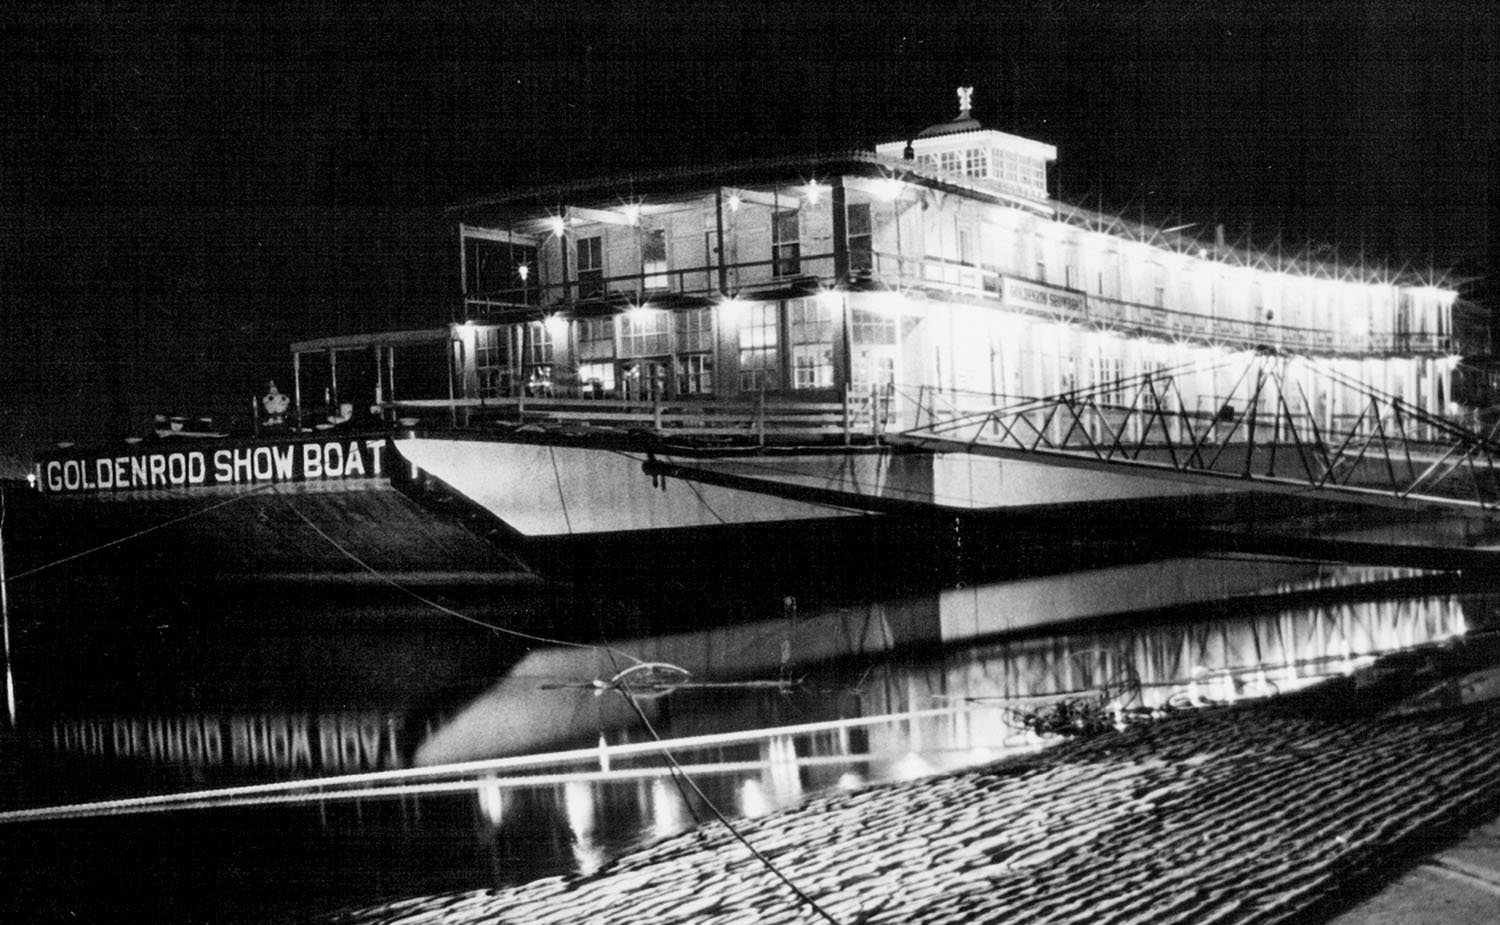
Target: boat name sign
x=239, y=465
x=1041, y=298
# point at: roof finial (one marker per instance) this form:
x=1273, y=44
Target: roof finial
x=965, y=99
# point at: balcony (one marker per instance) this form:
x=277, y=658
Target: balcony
x=948, y=279
x=690, y=285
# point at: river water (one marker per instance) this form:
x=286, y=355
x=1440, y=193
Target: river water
x=253, y=752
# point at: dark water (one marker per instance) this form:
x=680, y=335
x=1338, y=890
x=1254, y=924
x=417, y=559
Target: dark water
x=251, y=752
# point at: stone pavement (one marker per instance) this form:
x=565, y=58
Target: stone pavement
x=1457, y=884
x=1244, y=814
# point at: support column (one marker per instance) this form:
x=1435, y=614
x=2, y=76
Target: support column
x=840, y=233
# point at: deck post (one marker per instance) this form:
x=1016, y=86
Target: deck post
x=297, y=389
x=848, y=420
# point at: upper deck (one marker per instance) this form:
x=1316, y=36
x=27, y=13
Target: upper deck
x=915, y=231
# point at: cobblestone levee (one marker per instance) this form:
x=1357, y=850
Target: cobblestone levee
x=1236, y=815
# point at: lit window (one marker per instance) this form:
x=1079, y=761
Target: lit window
x=643, y=332
x=591, y=268
x=492, y=361
x=786, y=252
x=861, y=252
x=1009, y=170
x=538, y=347
x=596, y=339
x=536, y=354
x=654, y=258
x=872, y=329
x=976, y=162
x=760, y=344
x=695, y=330
x=596, y=380
x=1105, y=374
x=811, y=330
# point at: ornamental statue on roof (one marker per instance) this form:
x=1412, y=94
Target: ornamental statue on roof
x=963, y=122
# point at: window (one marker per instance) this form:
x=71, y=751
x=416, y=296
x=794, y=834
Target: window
x=591, y=268
x=695, y=374
x=949, y=161
x=1034, y=173
x=499, y=266
x=654, y=259
x=786, y=253
x=1009, y=169
x=872, y=329
x=492, y=361
x=1159, y=286
x=1039, y=259
x=643, y=332
x=811, y=336
x=861, y=252
x=760, y=361
x=1105, y=375
x=536, y=358
x=596, y=339
x=695, y=330
x=596, y=380
x=486, y=265
x=976, y=162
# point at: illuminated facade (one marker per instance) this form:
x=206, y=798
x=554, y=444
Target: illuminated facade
x=935, y=267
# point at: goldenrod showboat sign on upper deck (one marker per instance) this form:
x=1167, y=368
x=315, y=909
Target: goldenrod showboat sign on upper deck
x=173, y=465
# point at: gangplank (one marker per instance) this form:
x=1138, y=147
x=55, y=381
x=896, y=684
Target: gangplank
x=1265, y=434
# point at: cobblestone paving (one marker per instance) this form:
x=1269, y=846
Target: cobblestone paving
x=1237, y=816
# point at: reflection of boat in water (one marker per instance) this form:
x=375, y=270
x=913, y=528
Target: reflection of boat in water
x=554, y=773
x=389, y=690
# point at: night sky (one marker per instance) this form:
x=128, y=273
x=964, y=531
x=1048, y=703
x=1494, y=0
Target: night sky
x=185, y=188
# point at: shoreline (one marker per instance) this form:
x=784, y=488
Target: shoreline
x=1253, y=813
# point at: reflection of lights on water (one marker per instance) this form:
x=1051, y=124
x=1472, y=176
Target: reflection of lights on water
x=578, y=802
x=589, y=858
x=668, y=811
x=492, y=802
x=911, y=766
x=753, y=799
x=980, y=754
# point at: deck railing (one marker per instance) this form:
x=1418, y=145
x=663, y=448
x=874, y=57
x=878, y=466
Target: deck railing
x=762, y=420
